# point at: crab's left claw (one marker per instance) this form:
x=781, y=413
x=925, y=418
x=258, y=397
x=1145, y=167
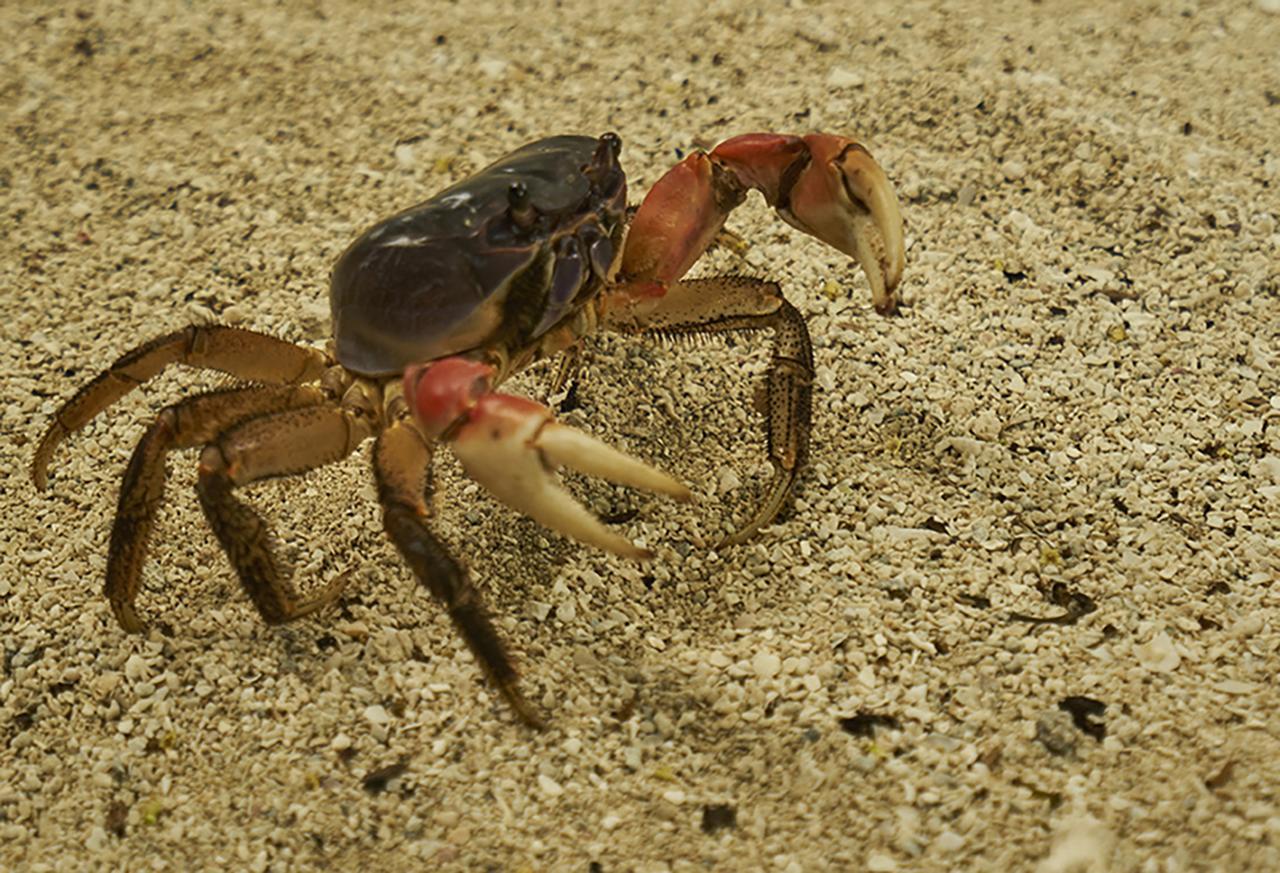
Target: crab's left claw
x=831, y=188
x=513, y=447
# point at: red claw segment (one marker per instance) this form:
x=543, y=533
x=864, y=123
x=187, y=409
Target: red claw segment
x=679, y=217
x=512, y=446
x=831, y=188
x=761, y=160
x=443, y=392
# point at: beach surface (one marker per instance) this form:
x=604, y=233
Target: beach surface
x=1023, y=615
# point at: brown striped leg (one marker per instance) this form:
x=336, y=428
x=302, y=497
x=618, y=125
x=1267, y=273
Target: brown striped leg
x=401, y=463
x=245, y=354
x=192, y=422
x=731, y=303
x=566, y=367
x=281, y=444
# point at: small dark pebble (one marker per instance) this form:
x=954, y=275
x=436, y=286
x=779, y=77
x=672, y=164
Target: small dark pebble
x=117, y=816
x=376, y=782
x=936, y=525
x=718, y=817
x=865, y=724
x=1083, y=711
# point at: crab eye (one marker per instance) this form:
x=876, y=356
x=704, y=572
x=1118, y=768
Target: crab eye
x=519, y=207
x=603, y=170
x=612, y=142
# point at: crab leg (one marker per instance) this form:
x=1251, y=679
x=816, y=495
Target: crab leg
x=402, y=463
x=245, y=354
x=827, y=186
x=284, y=443
x=189, y=423
x=736, y=303
x=512, y=446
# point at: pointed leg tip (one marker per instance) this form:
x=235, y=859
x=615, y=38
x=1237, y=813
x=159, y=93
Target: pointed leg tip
x=887, y=307
x=39, y=470
x=128, y=620
x=524, y=710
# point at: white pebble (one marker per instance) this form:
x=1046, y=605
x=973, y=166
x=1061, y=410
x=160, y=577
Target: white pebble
x=948, y=841
x=879, y=862
x=766, y=664
x=549, y=786
x=106, y=683
x=377, y=714
x=1159, y=655
x=1235, y=686
x=840, y=77
x=97, y=840
x=727, y=480
x=135, y=668
x=494, y=68
x=1013, y=170
x=1247, y=626
x=1082, y=844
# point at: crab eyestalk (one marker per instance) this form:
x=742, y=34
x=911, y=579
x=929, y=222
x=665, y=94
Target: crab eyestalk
x=832, y=189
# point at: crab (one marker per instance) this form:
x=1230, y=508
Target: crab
x=435, y=307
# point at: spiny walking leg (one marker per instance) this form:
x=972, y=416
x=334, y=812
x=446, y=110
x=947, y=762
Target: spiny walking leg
x=401, y=463
x=282, y=444
x=245, y=354
x=191, y=422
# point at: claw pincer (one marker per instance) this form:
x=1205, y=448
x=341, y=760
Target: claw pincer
x=824, y=185
x=512, y=446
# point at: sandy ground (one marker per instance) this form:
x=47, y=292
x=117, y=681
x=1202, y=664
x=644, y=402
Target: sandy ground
x=1076, y=418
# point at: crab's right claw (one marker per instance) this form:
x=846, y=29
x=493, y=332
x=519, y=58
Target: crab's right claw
x=513, y=446
x=831, y=188
x=844, y=199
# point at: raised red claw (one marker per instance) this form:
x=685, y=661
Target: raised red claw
x=679, y=217
x=825, y=185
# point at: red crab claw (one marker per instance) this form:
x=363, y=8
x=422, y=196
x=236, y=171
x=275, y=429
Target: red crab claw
x=831, y=188
x=827, y=186
x=512, y=446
